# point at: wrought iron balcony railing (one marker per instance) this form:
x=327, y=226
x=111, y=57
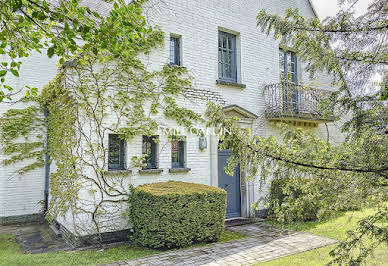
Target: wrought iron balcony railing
x=290, y=102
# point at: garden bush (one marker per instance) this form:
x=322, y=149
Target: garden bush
x=176, y=214
x=282, y=192
x=307, y=199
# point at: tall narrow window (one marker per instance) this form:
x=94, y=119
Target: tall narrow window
x=227, y=67
x=150, y=150
x=177, y=153
x=289, y=77
x=288, y=66
x=116, y=153
x=175, y=51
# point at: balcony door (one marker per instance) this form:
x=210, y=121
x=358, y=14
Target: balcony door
x=289, y=78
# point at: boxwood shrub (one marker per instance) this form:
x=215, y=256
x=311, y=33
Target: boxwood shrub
x=176, y=214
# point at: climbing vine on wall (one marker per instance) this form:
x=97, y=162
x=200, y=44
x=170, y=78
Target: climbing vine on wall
x=102, y=89
x=22, y=137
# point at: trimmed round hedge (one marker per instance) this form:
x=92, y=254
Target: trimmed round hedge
x=176, y=214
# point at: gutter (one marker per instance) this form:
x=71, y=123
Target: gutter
x=46, y=164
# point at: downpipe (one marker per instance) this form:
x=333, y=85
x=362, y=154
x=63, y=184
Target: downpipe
x=46, y=164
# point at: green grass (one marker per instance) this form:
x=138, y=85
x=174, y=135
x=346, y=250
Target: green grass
x=10, y=253
x=229, y=236
x=335, y=229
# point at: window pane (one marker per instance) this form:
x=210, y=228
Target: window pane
x=149, y=149
x=175, y=51
x=116, y=152
x=181, y=156
x=294, y=68
x=172, y=54
x=174, y=153
x=226, y=56
x=177, y=153
x=281, y=64
x=224, y=41
x=230, y=61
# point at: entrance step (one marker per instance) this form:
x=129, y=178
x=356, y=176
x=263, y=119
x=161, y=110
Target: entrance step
x=241, y=221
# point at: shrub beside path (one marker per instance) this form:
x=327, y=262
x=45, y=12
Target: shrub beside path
x=263, y=243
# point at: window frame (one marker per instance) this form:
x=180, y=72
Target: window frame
x=221, y=50
x=121, y=153
x=285, y=71
x=175, y=50
x=152, y=161
x=181, y=152
x=291, y=99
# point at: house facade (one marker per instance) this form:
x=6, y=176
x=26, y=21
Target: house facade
x=234, y=64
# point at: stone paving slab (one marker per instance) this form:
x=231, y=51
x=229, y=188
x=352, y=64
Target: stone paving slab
x=263, y=243
x=35, y=238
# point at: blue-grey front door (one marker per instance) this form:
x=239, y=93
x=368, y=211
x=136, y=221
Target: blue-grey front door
x=231, y=184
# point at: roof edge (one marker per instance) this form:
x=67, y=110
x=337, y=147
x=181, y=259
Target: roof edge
x=313, y=8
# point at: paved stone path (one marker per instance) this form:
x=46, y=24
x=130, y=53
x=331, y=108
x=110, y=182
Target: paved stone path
x=262, y=244
x=35, y=238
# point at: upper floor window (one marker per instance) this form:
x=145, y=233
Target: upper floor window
x=150, y=150
x=288, y=66
x=175, y=51
x=116, y=152
x=177, y=152
x=227, y=65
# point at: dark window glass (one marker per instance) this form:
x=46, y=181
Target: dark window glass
x=177, y=153
x=227, y=67
x=149, y=149
x=175, y=51
x=116, y=154
x=288, y=66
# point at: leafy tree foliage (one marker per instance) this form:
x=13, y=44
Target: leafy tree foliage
x=354, y=50
x=102, y=88
x=82, y=103
x=40, y=25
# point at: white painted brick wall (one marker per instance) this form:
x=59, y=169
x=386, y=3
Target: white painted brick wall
x=21, y=195
x=198, y=23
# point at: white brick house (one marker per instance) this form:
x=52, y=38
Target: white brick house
x=196, y=27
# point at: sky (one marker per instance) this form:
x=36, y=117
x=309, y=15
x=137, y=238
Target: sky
x=326, y=8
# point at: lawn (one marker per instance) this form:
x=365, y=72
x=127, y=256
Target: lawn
x=10, y=253
x=335, y=229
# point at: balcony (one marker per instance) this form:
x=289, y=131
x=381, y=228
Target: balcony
x=296, y=104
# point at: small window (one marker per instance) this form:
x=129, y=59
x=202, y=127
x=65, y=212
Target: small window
x=150, y=150
x=227, y=66
x=116, y=154
x=175, y=51
x=177, y=153
x=288, y=66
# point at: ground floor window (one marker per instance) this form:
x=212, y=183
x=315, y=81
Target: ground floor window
x=178, y=152
x=116, y=153
x=150, y=150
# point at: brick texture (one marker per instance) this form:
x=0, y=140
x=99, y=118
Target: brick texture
x=198, y=23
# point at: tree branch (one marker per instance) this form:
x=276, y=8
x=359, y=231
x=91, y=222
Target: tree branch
x=355, y=30
x=379, y=171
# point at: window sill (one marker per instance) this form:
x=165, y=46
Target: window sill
x=118, y=172
x=179, y=170
x=173, y=65
x=151, y=171
x=230, y=84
